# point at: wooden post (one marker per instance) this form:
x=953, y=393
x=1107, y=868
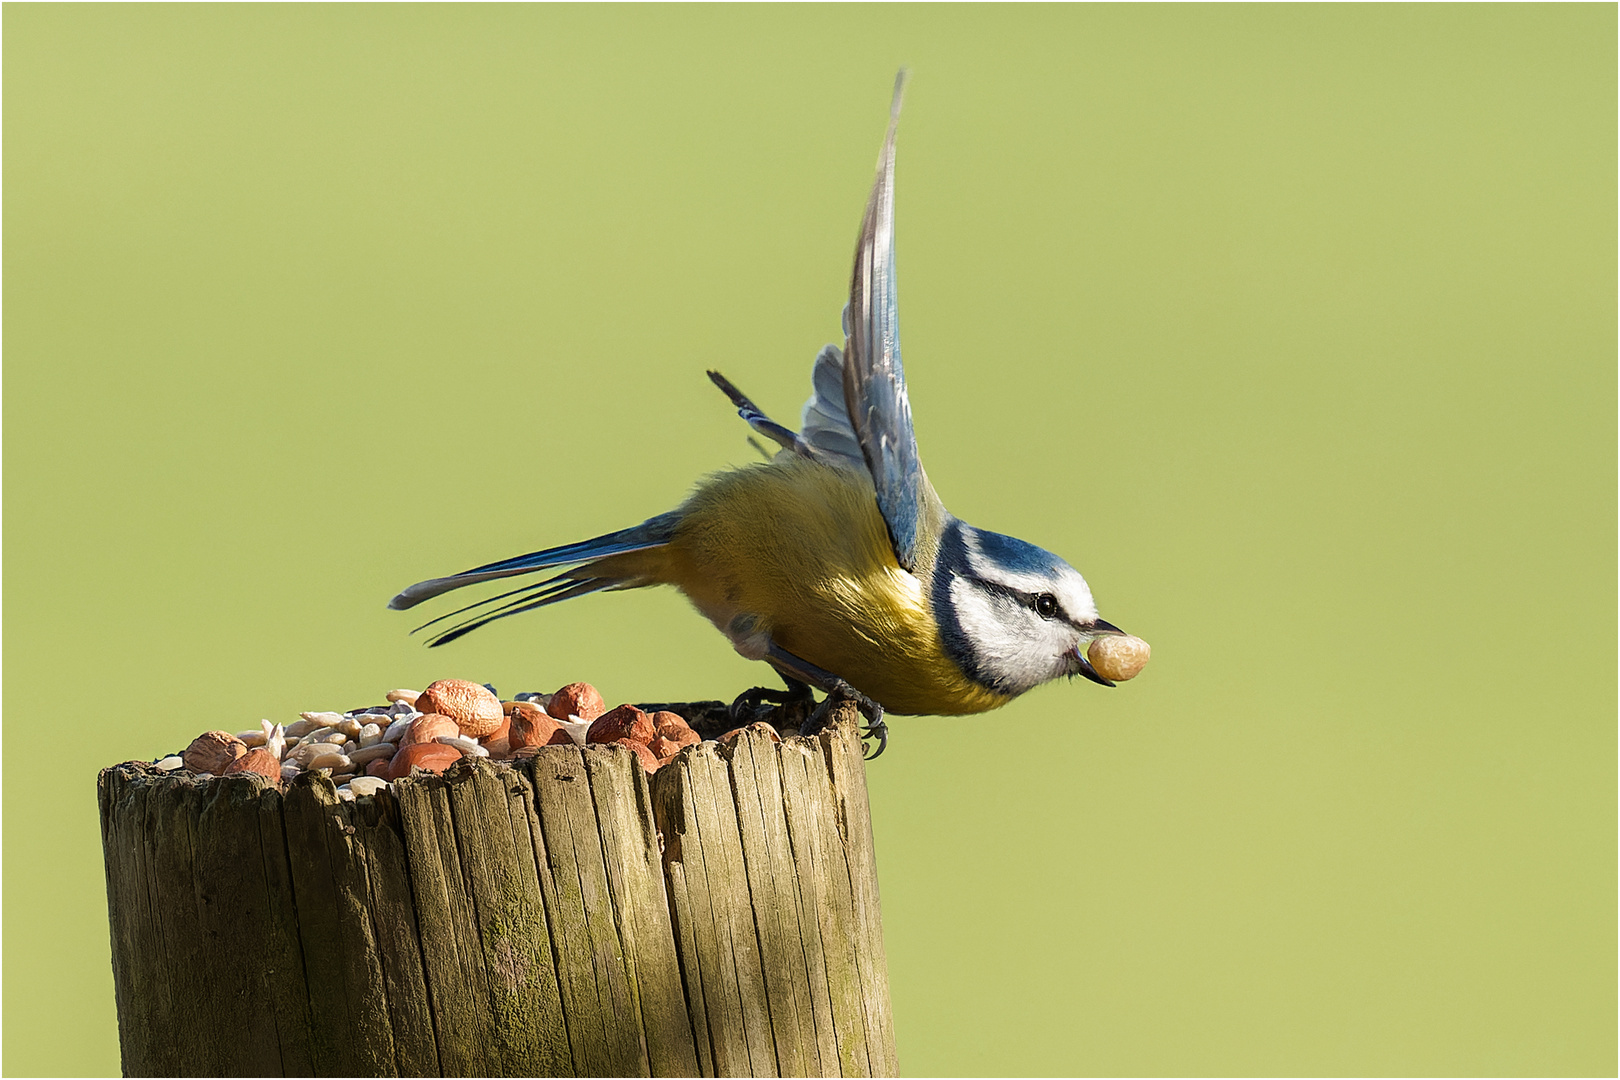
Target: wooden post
x=562, y=916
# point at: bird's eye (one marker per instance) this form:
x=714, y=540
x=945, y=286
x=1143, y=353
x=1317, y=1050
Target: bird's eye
x=1046, y=604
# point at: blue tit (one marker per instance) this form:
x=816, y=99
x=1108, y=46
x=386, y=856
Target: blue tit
x=835, y=561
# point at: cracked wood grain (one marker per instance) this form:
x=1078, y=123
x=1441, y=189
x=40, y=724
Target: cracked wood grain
x=567, y=916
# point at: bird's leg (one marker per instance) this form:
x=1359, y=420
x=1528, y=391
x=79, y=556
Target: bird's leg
x=794, y=669
x=798, y=691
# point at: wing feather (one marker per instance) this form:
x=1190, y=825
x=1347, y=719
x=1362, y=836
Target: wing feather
x=874, y=381
x=824, y=422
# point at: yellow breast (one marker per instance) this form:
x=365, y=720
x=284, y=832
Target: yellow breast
x=802, y=547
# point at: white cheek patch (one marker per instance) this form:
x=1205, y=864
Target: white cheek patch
x=1015, y=646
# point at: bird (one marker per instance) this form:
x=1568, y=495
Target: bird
x=834, y=560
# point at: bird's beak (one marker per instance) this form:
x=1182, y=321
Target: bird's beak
x=1083, y=664
x=1087, y=670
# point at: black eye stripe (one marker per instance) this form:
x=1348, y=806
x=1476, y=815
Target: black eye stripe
x=998, y=589
x=1033, y=601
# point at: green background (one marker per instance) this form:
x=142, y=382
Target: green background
x=1292, y=327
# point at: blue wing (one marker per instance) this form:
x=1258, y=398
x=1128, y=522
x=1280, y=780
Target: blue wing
x=858, y=414
x=874, y=381
x=824, y=421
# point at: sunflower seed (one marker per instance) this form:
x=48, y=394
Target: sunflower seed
x=379, y=751
x=468, y=747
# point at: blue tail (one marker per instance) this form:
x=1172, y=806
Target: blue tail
x=654, y=532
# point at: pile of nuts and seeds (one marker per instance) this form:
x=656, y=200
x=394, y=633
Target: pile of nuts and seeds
x=363, y=750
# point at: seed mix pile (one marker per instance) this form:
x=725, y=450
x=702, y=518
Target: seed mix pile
x=365, y=749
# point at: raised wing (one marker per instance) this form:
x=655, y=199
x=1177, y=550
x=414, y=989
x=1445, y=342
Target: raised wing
x=824, y=423
x=874, y=381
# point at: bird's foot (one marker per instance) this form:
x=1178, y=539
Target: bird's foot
x=747, y=704
x=845, y=699
x=880, y=731
x=791, y=706
x=875, y=728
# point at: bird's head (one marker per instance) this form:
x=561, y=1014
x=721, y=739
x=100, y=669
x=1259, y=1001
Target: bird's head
x=1012, y=615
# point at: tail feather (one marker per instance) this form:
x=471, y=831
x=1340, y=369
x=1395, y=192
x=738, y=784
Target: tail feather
x=759, y=421
x=523, y=592
x=654, y=532
x=538, y=596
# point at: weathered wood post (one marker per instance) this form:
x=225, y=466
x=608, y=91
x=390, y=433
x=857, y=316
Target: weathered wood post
x=561, y=916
